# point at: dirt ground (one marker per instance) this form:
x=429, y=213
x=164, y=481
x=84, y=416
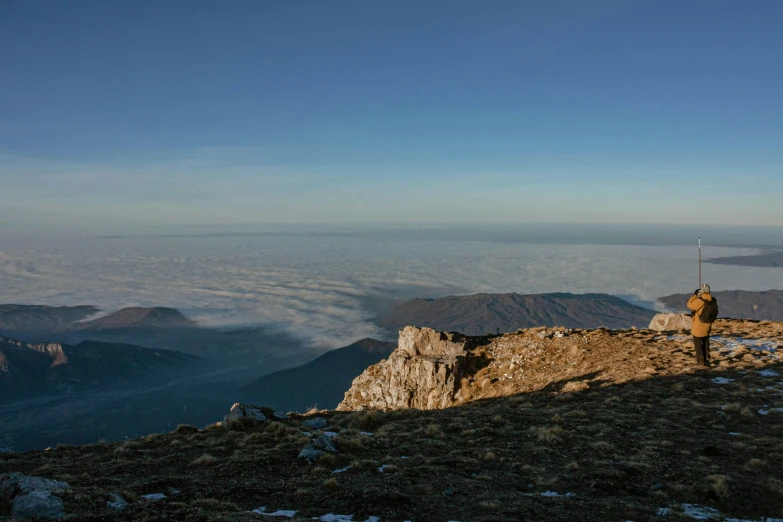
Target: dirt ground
x=551, y=425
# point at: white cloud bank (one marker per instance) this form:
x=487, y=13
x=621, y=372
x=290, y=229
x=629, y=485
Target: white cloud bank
x=317, y=287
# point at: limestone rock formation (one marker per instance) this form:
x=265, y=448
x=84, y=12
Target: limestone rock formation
x=32, y=497
x=424, y=372
x=670, y=322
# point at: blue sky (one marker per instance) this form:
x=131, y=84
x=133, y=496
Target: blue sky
x=138, y=113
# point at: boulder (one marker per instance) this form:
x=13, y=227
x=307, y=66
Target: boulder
x=32, y=497
x=310, y=453
x=424, y=372
x=316, y=423
x=323, y=442
x=243, y=411
x=671, y=322
x=117, y=503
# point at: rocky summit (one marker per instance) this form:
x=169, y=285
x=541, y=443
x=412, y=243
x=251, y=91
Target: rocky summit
x=550, y=424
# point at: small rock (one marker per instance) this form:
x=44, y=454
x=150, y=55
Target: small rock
x=310, y=453
x=280, y=415
x=116, y=503
x=316, y=423
x=243, y=411
x=324, y=443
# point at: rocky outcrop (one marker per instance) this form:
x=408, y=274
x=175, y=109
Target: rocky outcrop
x=32, y=497
x=244, y=411
x=424, y=372
x=670, y=322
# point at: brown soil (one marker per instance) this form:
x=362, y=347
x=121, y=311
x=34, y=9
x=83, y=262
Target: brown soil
x=621, y=419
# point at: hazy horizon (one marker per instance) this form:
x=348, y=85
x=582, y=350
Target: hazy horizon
x=324, y=285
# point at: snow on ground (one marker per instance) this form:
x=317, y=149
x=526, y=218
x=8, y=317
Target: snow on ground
x=279, y=513
x=697, y=512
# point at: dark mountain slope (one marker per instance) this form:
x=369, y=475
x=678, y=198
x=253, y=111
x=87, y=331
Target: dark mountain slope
x=487, y=313
x=740, y=304
x=35, y=369
x=22, y=320
x=322, y=381
x=137, y=317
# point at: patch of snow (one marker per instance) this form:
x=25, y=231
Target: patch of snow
x=768, y=373
x=307, y=434
x=763, y=412
x=366, y=433
x=663, y=512
x=731, y=344
x=153, y=496
x=330, y=434
x=382, y=468
x=721, y=380
x=288, y=513
x=342, y=470
x=733, y=433
x=763, y=519
x=556, y=494
x=334, y=518
x=697, y=512
x=403, y=457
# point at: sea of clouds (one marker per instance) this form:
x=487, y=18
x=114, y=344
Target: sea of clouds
x=325, y=289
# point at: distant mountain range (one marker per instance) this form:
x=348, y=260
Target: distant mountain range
x=772, y=259
x=26, y=321
x=739, y=304
x=137, y=317
x=489, y=313
x=35, y=369
x=322, y=381
x=37, y=321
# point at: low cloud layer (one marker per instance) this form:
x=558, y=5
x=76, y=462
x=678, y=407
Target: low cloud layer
x=320, y=288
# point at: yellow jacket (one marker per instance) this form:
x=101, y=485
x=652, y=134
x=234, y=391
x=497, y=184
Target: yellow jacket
x=696, y=303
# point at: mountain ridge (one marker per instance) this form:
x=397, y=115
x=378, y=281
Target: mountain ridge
x=741, y=304
x=486, y=313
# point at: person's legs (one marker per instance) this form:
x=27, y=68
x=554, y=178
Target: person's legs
x=698, y=345
x=707, y=351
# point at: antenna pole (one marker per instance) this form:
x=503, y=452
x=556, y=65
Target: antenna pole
x=699, y=262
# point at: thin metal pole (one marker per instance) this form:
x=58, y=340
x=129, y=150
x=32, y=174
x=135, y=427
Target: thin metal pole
x=699, y=262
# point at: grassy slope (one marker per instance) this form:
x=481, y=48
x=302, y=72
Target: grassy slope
x=629, y=428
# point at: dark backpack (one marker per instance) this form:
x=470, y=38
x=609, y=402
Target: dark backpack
x=709, y=312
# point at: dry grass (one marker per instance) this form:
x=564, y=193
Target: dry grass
x=608, y=443
x=719, y=485
x=547, y=434
x=205, y=460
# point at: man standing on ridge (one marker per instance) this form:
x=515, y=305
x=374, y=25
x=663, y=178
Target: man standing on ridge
x=705, y=311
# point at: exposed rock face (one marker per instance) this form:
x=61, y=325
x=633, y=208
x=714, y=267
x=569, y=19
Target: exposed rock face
x=671, y=322
x=244, y=411
x=32, y=497
x=424, y=372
